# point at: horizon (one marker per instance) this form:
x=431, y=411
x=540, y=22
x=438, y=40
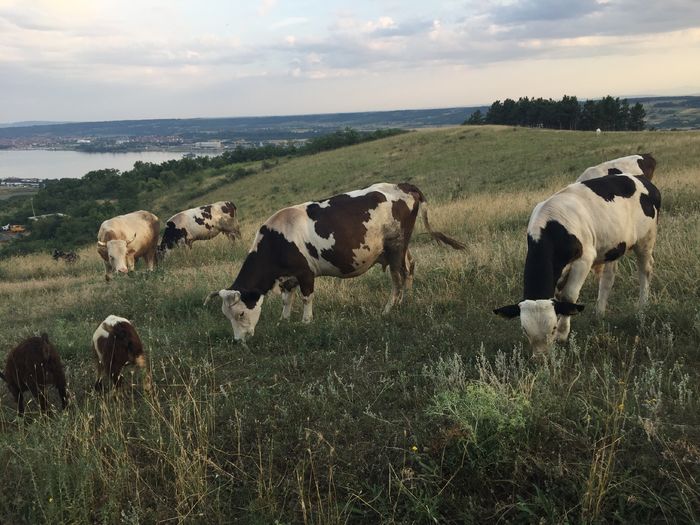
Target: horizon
x=82, y=61
x=31, y=123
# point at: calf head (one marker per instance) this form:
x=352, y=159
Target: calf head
x=538, y=319
x=243, y=310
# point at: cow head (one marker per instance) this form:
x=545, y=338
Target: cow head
x=117, y=250
x=538, y=319
x=129, y=338
x=242, y=309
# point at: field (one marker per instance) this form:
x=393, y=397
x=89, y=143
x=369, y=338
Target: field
x=435, y=413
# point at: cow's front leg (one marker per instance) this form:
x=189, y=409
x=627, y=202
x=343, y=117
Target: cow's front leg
x=306, y=286
x=108, y=270
x=577, y=276
x=130, y=263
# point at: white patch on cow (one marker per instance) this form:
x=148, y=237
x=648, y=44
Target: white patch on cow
x=102, y=333
x=539, y=322
x=627, y=165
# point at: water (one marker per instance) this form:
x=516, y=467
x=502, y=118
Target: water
x=49, y=164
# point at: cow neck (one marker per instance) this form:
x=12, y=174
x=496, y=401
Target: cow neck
x=254, y=276
x=539, y=276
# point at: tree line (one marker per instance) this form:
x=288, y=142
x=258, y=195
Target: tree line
x=102, y=194
x=608, y=114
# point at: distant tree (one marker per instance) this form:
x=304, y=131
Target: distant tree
x=476, y=118
x=636, y=118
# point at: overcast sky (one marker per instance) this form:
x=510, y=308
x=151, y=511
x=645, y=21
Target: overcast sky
x=127, y=59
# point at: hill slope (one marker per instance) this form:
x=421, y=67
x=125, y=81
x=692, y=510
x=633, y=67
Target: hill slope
x=434, y=413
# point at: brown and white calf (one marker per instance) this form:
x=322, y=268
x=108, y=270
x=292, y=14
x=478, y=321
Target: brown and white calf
x=588, y=223
x=124, y=239
x=643, y=164
x=343, y=236
x=117, y=344
x=32, y=365
x=201, y=223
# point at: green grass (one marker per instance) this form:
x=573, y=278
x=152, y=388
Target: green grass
x=435, y=413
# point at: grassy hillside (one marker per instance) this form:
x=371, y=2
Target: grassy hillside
x=435, y=413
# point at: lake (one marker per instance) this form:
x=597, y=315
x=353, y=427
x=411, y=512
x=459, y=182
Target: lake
x=50, y=164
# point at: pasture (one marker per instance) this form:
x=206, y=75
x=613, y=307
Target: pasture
x=433, y=414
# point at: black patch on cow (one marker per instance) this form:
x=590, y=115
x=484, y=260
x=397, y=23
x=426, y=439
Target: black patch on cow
x=172, y=235
x=413, y=190
x=343, y=218
x=615, y=253
x=546, y=259
x=313, y=252
x=206, y=211
x=611, y=186
x=650, y=201
x=614, y=171
x=647, y=164
x=229, y=208
x=274, y=257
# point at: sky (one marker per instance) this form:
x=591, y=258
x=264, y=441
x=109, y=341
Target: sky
x=90, y=60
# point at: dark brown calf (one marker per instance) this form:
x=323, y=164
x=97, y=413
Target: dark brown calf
x=117, y=344
x=32, y=365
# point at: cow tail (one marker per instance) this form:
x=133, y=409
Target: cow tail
x=438, y=236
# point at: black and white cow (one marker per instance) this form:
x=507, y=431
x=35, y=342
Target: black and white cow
x=643, y=164
x=201, y=223
x=342, y=236
x=588, y=223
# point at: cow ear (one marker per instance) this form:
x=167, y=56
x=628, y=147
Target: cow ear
x=564, y=308
x=509, y=311
x=232, y=296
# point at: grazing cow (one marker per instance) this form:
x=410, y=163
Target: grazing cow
x=32, y=365
x=199, y=224
x=341, y=237
x=643, y=164
x=69, y=257
x=587, y=223
x=117, y=344
x=122, y=240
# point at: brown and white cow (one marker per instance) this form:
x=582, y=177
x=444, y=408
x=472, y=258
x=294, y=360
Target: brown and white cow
x=117, y=344
x=342, y=236
x=643, y=164
x=201, y=223
x=124, y=239
x=588, y=223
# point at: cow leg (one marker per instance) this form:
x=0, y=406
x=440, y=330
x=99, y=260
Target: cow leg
x=306, y=286
x=108, y=271
x=397, y=268
x=17, y=394
x=607, y=278
x=410, y=269
x=645, y=263
x=287, y=303
x=577, y=276
x=130, y=263
x=63, y=395
x=151, y=259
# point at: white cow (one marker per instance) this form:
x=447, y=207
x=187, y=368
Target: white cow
x=122, y=240
x=587, y=223
x=643, y=164
x=201, y=223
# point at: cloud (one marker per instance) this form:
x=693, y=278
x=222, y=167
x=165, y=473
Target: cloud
x=266, y=6
x=291, y=21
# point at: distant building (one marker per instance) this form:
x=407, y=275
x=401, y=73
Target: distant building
x=208, y=144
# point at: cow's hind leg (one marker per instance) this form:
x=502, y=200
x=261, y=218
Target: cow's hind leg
x=645, y=263
x=397, y=268
x=306, y=286
x=607, y=278
x=410, y=269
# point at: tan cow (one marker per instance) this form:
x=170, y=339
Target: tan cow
x=122, y=240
